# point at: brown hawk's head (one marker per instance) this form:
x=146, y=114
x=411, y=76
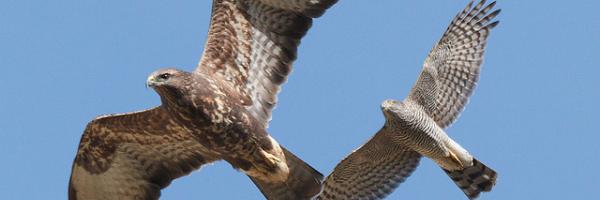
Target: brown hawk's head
x=184, y=93
x=168, y=78
x=171, y=84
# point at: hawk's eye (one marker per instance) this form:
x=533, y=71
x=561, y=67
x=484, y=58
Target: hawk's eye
x=164, y=76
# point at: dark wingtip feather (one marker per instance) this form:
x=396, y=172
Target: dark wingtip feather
x=490, y=16
x=465, y=10
x=492, y=25
x=481, y=3
x=493, y=4
x=495, y=13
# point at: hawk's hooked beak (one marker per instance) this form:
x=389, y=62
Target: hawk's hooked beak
x=151, y=82
x=388, y=105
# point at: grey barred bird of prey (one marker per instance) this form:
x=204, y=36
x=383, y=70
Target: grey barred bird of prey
x=220, y=111
x=415, y=127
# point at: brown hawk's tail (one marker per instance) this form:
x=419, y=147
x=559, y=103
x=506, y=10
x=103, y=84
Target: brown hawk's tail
x=474, y=179
x=304, y=182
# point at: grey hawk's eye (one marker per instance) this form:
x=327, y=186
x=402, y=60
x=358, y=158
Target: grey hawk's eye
x=164, y=76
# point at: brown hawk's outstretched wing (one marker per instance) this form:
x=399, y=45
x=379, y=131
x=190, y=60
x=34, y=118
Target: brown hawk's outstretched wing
x=252, y=44
x=372, y=171
x=133, y=156
x=451, y=69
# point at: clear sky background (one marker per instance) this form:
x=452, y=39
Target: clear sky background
x=533, y=116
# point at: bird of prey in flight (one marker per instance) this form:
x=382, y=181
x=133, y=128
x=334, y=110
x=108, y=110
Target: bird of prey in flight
x=415, y=126
x=220, y=111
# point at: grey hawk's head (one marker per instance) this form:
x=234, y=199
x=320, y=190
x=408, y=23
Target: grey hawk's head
x=395, y=110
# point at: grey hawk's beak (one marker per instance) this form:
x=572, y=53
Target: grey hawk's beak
x=388, y=105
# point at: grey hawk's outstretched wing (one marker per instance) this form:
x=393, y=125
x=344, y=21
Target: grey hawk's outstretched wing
x=252, y=44
x=451, y=69
x=372, y=171
x=133, y=156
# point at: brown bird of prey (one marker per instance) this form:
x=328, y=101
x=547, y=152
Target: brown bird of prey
x=219, y=111
x=415, y=126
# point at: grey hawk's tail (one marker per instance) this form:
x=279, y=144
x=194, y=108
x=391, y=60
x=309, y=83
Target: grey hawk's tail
x=474, y=179
x=304, y=182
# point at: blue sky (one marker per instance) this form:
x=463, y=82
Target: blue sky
x=531, y=118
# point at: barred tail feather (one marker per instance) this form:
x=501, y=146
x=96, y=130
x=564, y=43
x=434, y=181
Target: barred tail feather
x=304, y=182
x=475, y=179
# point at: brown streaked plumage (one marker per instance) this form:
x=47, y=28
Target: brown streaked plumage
x=219, y=111
x=133, y=156
x=414, y=127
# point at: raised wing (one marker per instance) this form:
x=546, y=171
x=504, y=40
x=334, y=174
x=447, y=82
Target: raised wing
x=451, y=70
x=372, y=171
x=133, y=156
x=252, y=44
